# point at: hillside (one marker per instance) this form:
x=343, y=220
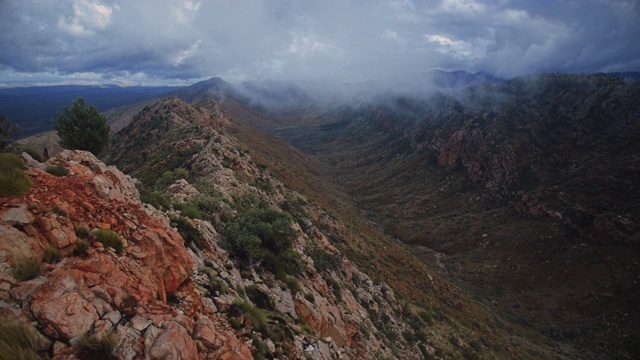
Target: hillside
x=524, y=193
x=187, y=157
x=407, y=220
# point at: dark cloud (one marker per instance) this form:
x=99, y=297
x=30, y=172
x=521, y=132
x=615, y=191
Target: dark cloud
x=171, y=40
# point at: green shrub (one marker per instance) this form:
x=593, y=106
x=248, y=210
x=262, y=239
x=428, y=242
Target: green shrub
x=259, y=298
x=100, y=345
x=51, y=254
x=17, y=341
x=154, y=199
x=13, y=180
x=189, y=232
x=258, y=317
x=26, y=267
x=109, y=238
x=82, y=232
x=218, y=285
x=335, y=286
x=189, y=210
x=292, y=283
x=324, y=260
x=57, y=170
x=264, y=236
x=35, y=154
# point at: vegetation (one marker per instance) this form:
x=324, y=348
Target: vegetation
x=189, y=232
x=110, y=238
x=17, y=341
x=51, y=254
x=57, y=170
x=13, y=180
x=35, y=154
x=263, y=236
x=7, y=131
x=324, y=260
x=81, y=248
x=82, y=232
x=154, y=199
x=26, y=267
x=101, y=345
x=81, y=128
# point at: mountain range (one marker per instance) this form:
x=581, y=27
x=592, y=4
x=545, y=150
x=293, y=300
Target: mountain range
x=484, y=218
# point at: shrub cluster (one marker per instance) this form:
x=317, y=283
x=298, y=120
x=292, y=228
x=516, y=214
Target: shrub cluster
x=13, y=180
x=57, y=170
x=263, y=236
x=109, y=238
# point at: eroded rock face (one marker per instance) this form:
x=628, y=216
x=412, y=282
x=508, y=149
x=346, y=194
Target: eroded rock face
x=100, y=290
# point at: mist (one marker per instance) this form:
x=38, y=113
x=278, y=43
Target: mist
x=376, y=43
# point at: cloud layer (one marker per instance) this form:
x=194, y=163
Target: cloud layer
x=155, y=41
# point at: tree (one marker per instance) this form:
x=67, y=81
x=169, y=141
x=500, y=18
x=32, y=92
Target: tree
x=81, y=128
x=7, y=131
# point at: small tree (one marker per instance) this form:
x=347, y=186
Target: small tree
x=7, y=131
x=81, y=128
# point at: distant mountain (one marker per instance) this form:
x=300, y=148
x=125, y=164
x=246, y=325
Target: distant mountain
x=626, y=74
x=456, y=80
x=33, y=108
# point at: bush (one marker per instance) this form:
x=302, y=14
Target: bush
x=26, y=267
x=263, y=235
x=51, y=254
x=17, y=341
x=13, y=180
x=7, y=131
x=324, y=260
x=189, y=232
x=35, y=154
x=189, y=210
x=248, y=311
x=154, y=199
x=109, y=238
x=82, y=232
x=57, y=170
x=81, y=128
x=335, y=286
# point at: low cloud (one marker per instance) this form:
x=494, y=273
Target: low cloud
x=346, y=41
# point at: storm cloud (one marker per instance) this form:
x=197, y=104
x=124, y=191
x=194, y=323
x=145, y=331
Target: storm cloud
x=170, y=41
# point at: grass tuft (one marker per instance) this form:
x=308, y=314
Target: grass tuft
x=17, y=341
x=57, y=170
x=51, y=254
x=110, y=238
x=26, y=267
x=13, y=180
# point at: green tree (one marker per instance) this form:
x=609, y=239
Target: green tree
x=7, y=131
x=81, y=128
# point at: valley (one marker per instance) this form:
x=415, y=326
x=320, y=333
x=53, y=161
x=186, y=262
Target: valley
x=507, y=212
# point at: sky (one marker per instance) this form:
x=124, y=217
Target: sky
x=178, y=42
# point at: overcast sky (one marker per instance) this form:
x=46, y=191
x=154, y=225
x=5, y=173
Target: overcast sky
x=182, y=41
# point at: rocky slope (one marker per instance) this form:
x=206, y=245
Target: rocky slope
x=523, y=193
x=190, y=165
x=156, y=294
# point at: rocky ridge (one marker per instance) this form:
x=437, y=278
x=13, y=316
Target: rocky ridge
x=157, y=294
